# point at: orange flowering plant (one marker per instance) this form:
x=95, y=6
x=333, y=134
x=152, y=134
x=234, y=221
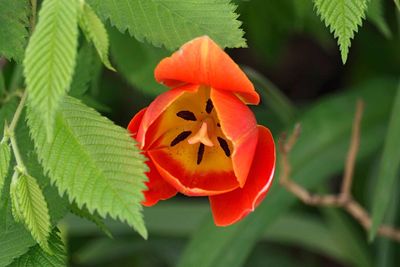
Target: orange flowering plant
x=201, y=138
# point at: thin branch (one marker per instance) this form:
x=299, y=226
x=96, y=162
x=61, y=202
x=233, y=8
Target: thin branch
x=352, y=153
x=343, y=199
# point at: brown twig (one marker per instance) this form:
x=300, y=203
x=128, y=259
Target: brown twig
x=344, y=198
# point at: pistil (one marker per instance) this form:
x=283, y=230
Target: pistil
x=202, y=136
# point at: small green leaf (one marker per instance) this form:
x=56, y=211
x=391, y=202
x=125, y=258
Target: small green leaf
x=172, y=23
x=96, y=162
x=388, y=170
x=50, y=58
x=16, y=209
x=36, y=256
x=96, y=33
x=5, y=155
x=13, y=32
x=343, y=17
x=84, y=71
x=30, y=207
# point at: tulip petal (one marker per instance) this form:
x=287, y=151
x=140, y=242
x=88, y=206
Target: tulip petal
x=230, y=207
x=240, y=127
x=156, y=108
x=134, y=124
x=178, y=166
x=202, y=61
x=158, y=188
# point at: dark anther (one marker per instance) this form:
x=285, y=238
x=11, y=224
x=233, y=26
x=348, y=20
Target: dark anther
x=200, y=154
x=218, y=124
x=186, y=115
x=180, y=137
x=209, y=106
x=224, y=146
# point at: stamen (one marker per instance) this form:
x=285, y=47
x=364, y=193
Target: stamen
x=224, y=146
x=201, y=136
x=209, y=106
x=186, y=115
x=200, y=154
x=180, y=137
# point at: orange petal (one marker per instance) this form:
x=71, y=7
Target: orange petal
x=202, y=61
x=191, y=179
x=240, y=127
x=230, y=207
x=158, y=188
x=134, y=124
x=157, y=107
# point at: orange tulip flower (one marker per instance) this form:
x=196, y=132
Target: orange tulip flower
x=201, y=138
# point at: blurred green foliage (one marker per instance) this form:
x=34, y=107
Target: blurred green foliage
x=295, y=64
x=288, y=45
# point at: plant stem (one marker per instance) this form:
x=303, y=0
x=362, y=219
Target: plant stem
x=17, y=113
x=10, y=133
x=33, y=17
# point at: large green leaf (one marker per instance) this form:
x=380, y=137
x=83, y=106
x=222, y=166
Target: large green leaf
x=96, y=33
x=14, y=241
x=13, y=30
x=319, y=153
x=388, y=170
x=343, y=17
x=172, y=23
x=35, y=256
x=94, y=161
x=50, y=58
x=30, y=207
x=136, y=61
x=346, y=236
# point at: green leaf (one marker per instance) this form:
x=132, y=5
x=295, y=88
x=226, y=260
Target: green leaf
x=36, y=256
x=84, y=71
x=397, y=3
x=272, y=96
x=95, y=218
x=347, y=237
x=96, y=33
x=388, y=170
x=31, y=208
x=15, y=240
x=172, y=23
x=343, y=17
x=13, y=30
x=5, y=155
x=50, y=58
x=331, y=119
x=94, y=161
x=16, y=209
x=376, y=16
x=136, y=61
